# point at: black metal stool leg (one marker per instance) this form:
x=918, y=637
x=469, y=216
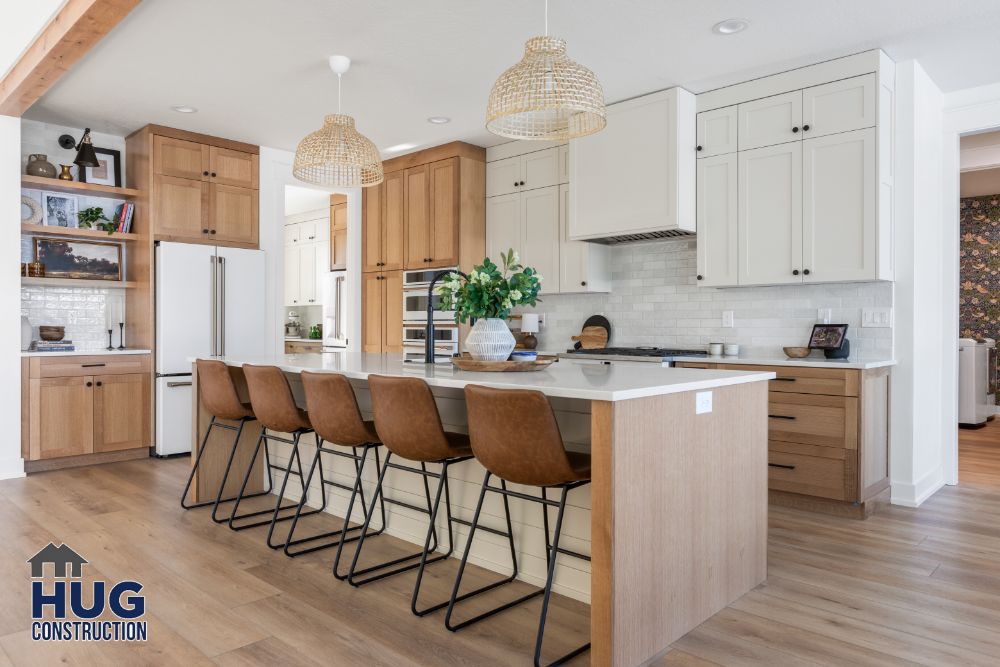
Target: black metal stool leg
x=380, y=471
x=297, y=459
x=261, y=440
x=194, y=469
x=225, y=477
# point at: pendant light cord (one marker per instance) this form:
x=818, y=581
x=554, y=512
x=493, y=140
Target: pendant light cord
x=339, y=91
x=546, y=18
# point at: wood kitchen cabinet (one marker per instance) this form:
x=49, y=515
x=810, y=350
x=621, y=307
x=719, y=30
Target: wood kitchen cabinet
x=338, y=236
x=382, y=312
x=430, y=194
x=382, y=217
x=85, y=409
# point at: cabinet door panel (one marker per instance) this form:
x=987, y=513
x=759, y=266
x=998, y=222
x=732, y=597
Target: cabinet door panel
x=372, y=303
x=371, y=228
x=770, y=215
x=230, y=167
x=338, y=250
x=540, y=234
x=292, y=275
x=838, y=207
x=770, y=121
x=540, y=169
x=234, y=214
x=61, y=411
x=840, y=106
x=393, y=222
x=293, y=234
x=180, y=208
x=503, y=176
x=307, y=274
x=392, y=334
x=503, y=225
x=564, y=164
x=717, y=132
x=718, y=196
x=416, y=207
x=179, y=158
x=121, y=404
x=443, y=213
x=583, y=266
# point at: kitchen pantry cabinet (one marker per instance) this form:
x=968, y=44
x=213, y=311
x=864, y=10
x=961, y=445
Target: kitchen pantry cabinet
x=204, y=189
x=430, y=209
x=307, y=257
x=89, y=408
x=382, y=312
x=811, y=168
x=382, y=219
x=338, y=236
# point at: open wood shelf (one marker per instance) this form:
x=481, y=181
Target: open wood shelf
x=75, y=282
x=71, y=233
x=77, y=188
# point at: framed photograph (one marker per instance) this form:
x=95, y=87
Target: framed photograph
x=108, y=173
x=59, y=210
x=81, y=260
x=828, y=336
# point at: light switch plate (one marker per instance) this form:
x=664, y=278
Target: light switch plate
x=702, y=402
x=876, y=317
x=727, y=319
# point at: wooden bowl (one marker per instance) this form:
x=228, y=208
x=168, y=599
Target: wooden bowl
x=796, y=352
x=51, y=333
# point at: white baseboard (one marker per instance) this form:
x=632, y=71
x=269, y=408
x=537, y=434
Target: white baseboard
x=11, y=468
x=913, y=495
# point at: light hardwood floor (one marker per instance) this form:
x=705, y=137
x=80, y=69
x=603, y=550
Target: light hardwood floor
x=904, y=587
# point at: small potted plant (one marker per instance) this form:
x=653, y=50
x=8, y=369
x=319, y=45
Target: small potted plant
x=487, y=295
x=94, y=217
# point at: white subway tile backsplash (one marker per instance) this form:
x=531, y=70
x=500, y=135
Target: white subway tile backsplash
x=80, y=309
x=655, y=300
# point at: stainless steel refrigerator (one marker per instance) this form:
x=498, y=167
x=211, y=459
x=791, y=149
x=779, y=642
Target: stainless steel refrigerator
x=210, y=301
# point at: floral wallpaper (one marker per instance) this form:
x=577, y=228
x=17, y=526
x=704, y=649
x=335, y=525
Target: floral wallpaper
x=979, y=293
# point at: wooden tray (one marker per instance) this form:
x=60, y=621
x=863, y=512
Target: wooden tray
x=467, y=363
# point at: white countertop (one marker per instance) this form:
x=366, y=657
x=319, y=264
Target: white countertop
x=812, y=361
x=82, y=353
x=318, y=341
x=590, y=382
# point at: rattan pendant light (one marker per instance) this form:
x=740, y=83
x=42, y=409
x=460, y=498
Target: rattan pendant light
x=337, y=155
x=546, y=95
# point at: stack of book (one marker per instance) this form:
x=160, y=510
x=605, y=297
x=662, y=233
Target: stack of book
x=53, y=346
x=123, y=217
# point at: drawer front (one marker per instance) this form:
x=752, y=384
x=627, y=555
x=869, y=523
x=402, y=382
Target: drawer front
x=298, y=347
x=809, y=475
x=92, y=365
x=829, y=421
x=800, y=380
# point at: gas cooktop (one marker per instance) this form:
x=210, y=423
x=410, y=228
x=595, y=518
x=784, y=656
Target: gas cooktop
x=656, y=352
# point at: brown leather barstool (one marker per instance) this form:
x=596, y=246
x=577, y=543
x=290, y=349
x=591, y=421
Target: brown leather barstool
x=514, y=435
x=274, y=405
x=220, y=398
x=336, y=419
x=409, y=426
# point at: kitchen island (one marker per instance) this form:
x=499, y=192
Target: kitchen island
x=678, y=504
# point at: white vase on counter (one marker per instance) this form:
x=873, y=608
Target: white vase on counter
x=490, y=340
x=26, y=333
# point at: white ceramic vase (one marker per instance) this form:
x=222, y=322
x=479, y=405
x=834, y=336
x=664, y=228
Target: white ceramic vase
x=490, y=340
x=27, y=333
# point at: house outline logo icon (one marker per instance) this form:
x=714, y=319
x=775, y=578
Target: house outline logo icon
x=60, y=557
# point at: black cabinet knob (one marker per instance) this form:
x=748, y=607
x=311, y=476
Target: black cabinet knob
x=805, y=128
x=204, y=231
x=698, y=148
x=795, y=129
x=204, y=173
x=212, y=232
x=700, y=277
x=583, y=283
x=806, y=272
x=795, y=272
x=522, y=182
x=90, y=384
x=100, y=384
x=213, y=174
x=515, y=184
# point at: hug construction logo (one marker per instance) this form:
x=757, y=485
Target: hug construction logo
x=67, y=595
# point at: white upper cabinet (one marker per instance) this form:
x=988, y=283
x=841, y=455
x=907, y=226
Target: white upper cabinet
x=770, y=215
x=564, y=163
x=840, y=106
x=292, y=234
x=838, y=207
x=503, y=225
x=637, y=175
x=540, y=235
x=717, y=220
x=771, y=120
x=584, y=266
x=717, y=132
x=536, y=169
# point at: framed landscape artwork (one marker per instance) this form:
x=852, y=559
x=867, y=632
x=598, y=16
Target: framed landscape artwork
x=81, y=260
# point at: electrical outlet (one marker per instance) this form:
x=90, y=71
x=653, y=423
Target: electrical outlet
x=727, y=319
x=824, y=315
x=702, y=402
x=876, y=317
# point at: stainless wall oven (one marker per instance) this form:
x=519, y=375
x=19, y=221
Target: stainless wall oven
x=415, y=297
x=445, y=342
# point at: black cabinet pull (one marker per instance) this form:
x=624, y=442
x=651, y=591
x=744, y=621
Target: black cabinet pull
x=204, y=173
x=521, y=183
x=795, y=272
x=806, y=272
x=92, y=365
x=515, y=184
x=212, y=231
x=781, y=417
x=99, y=384
x=795, y=129
x=700, y=277
x=583, y=283
x=90, y=384
x=204, y=231
x=698, y=148
x=783, y=379
x=213, y=174
x=805, y=128
x=780, y=465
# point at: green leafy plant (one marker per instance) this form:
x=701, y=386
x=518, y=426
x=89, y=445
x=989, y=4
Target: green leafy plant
x=491, y=290
x=94, y=217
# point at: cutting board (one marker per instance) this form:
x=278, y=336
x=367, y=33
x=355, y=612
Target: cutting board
x=592, y=338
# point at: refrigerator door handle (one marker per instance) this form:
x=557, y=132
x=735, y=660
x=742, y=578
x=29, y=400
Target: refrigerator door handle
x=222, y=306
x=339, y=308
x=215, y=307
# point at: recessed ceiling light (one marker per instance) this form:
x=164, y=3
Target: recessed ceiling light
x=439, y=120
x=183, y=108
x=398, y=147
x=730, y=26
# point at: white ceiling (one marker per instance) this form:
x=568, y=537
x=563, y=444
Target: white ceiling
x=301, y=200
x=256, y=69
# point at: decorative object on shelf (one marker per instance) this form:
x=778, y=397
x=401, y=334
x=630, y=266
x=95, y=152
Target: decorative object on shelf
x=731, y=349
x=315, y=333
x=110, y=346
x=715, y=349
x=523, y=355
x=82, y=260
x=51, y=333
x=468, y=363
x=529, y=327
x=31, y=210
x=59, y=209
x=65, y=174
x=337, y=155
x=39, y=165
x=85, y=156
x=94, y=217
x=832, y=339
x=36, y=269
x=114, y=314
x=108, y=170
x=796, y=352
x=121, y=335
x=591, y=337
x=546, y=95
x=26, y=334
x=488, y=294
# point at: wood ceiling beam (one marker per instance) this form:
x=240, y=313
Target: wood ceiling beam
x=71, y=33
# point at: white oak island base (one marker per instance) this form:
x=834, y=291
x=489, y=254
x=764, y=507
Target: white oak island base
x=678, y=520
